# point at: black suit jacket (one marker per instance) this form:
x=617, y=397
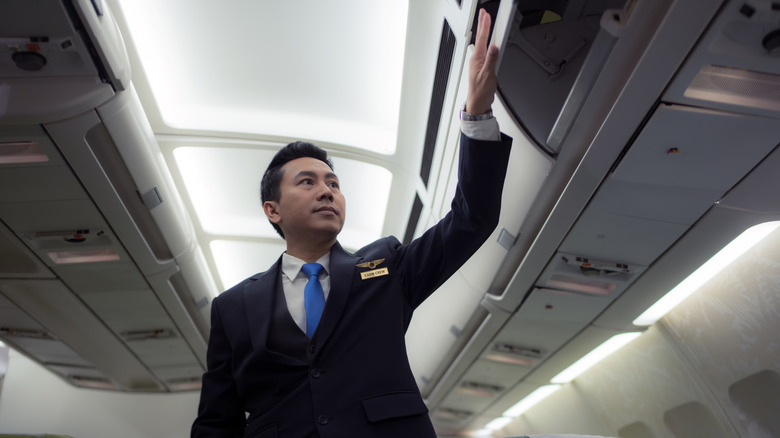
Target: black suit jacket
x=355, y=380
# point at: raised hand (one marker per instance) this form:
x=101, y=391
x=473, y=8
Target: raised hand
x=482, y=69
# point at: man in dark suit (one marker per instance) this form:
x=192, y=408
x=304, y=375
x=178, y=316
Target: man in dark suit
x=279, y=365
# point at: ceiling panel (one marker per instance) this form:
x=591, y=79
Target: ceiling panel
x=39, y=183
x=101, y=277
x=337, y=82
x=622, y=239
x=52, y=215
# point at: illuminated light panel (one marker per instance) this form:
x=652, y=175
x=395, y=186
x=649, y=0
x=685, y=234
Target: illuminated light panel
x=237, y=260
x=22, y=152
x=332, y=74
x=514, y=354
x=514, y=360
x=530, y=400
x=717, y=263
x=737, y=86
x=85, y=256
x=92, y=382
x=479, y=389
x=223, y=184
x=595, y=356
x=185, y=384
x=498, y=423
x=588, y=286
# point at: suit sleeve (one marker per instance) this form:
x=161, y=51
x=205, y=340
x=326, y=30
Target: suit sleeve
x=431, y=259
x=219, y=413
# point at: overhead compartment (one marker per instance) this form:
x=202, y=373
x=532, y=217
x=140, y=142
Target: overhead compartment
x=58, y=59
x=551, y=56
x=105, y=284
x=648, y=184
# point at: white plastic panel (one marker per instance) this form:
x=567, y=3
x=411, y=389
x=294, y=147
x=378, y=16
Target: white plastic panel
x=76, y=325
x=163, y=352
x=619, y=238
x=696, y=148
x=53, y=215
x=14, y=318
x=38, y=183
x=679, y=205
x=102, y=277
x=49, y=351
x=563, y=307
x=17, y=259
x=436, y=322
x=129, y=310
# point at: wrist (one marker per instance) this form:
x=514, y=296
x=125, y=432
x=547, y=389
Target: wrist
x=465, y=115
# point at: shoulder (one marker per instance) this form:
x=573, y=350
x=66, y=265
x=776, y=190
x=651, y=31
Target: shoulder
x=383, y=245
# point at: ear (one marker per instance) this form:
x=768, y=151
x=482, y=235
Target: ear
x=271, y=210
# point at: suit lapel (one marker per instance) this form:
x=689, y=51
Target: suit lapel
x=342, y=273
x=259, y=308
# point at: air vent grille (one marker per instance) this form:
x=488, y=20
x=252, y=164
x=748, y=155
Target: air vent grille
x=443, y=67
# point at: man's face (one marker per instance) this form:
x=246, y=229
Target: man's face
x=311, y=203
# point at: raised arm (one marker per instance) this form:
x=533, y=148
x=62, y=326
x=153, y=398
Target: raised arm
x=482, y=69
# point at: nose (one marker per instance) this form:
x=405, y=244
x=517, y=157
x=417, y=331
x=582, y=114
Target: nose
x=325, y=192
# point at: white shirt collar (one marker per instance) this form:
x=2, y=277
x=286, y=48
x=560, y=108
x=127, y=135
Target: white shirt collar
x=291, y=265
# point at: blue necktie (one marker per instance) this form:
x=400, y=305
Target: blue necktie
x=313, y=297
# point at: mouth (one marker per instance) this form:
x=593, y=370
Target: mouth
x=327, y=210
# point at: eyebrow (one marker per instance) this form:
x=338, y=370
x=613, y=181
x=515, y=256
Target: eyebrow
x=311, y=174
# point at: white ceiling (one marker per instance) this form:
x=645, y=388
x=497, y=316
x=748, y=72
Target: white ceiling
x=325, y=71
x=271, y=72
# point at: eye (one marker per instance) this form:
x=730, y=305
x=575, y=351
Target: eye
x=307, y=181
x=334, y=184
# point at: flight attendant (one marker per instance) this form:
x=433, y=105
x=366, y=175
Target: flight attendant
x=314, y=346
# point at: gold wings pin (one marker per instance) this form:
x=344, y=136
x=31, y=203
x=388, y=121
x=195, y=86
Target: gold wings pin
x=373, y=272
x=370, y=265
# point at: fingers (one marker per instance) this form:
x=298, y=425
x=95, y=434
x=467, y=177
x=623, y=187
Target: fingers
x=491, y=59
x=482, y=69
x=483, y=31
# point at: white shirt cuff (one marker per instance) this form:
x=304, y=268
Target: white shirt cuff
x=481, y=130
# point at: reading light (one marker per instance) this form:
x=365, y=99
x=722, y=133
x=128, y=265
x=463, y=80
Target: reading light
x=184, y=384
x=610, y=346
x=498, y=423
x=530, y=400
x=717, y=263
x=86, y=256
x=22, y=152
x=736, y=86
x=92, y=382
x=515, y=355
x=479, y=389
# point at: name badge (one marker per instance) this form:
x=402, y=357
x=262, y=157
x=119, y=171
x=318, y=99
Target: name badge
x=375, y=273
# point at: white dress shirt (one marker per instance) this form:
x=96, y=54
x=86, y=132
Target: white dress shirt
x=294, y=282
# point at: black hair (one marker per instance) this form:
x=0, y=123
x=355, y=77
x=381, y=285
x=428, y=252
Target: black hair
x=272, y=178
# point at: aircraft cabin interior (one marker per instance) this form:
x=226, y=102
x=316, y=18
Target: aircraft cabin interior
x=631, y=288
